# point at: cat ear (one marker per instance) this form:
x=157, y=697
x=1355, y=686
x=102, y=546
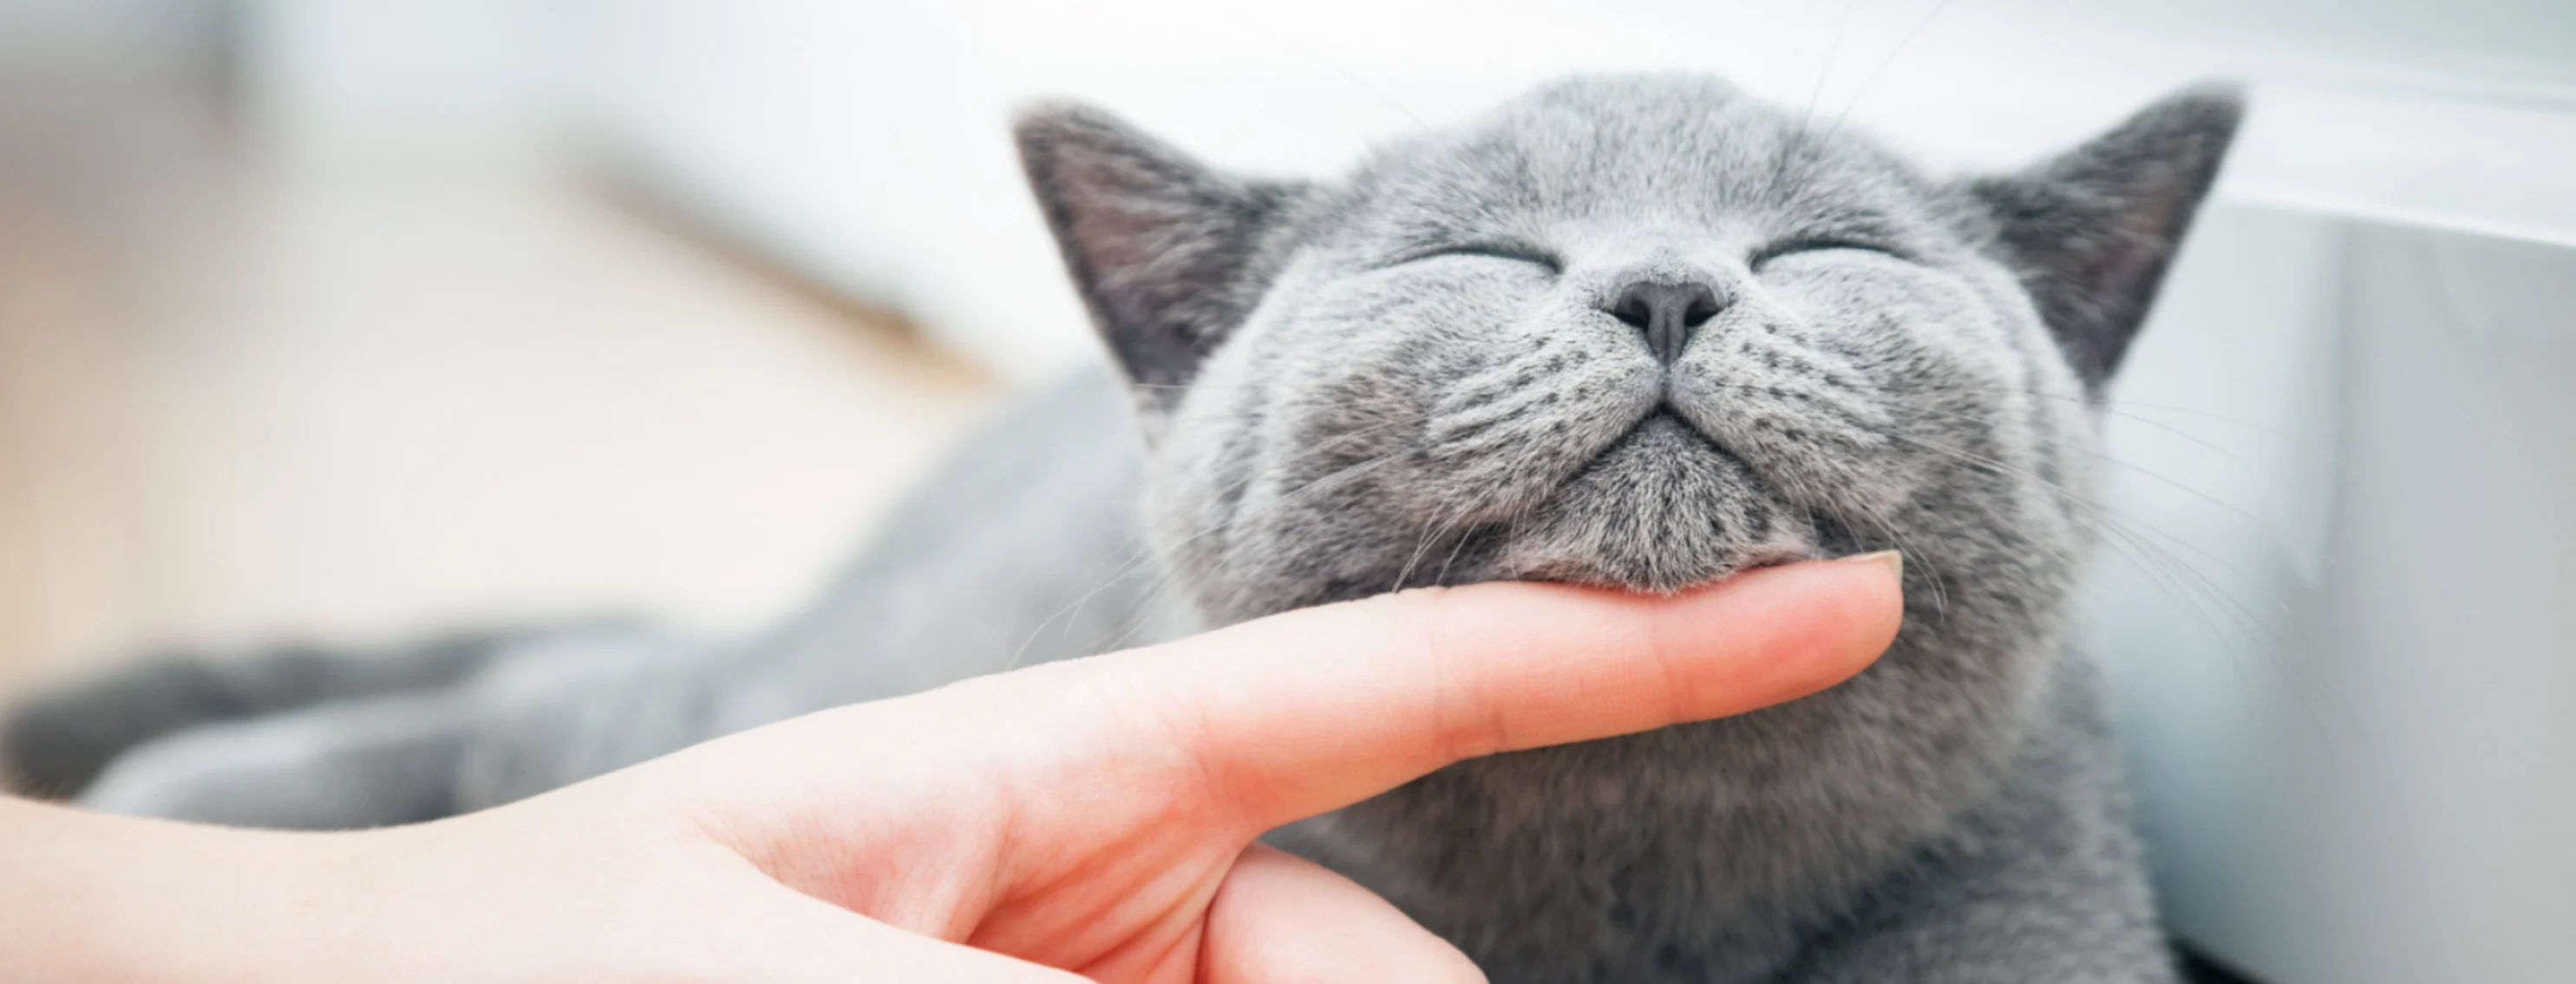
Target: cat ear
x=1160, y=247
x=2091, y=231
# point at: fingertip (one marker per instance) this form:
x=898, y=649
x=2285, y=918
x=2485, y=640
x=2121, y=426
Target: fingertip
x=1892, y=560
x=1878, y=601
x=1780, y=633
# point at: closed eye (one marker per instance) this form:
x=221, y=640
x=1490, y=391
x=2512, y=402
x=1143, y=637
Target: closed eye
x=1816, y=244
x=1493, y=251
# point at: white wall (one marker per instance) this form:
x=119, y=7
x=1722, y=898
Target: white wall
x=866, y=142
x=2337, y=595
x=384, y=78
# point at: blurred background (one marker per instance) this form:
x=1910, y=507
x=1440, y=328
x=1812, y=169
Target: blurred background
x=350, y=319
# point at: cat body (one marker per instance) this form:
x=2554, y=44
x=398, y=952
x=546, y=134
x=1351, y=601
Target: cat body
x=1025, y=547
x=1640, y=332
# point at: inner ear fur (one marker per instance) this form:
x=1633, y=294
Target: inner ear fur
x=1162, y=249
x=2091, y=231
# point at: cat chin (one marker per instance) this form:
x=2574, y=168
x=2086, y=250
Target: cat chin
x=1665, y=578
x=1662, y=510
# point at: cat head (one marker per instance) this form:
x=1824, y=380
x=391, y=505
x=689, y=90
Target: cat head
x=1634, y=331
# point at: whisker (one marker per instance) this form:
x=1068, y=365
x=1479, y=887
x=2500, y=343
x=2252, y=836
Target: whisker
x=2279, y=536
x=1145, y=554
x=1337, y=68
x=2164, y=564
x=1430, y=532
x=1893, y=55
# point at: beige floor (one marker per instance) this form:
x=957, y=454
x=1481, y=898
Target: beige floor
x=245, y=398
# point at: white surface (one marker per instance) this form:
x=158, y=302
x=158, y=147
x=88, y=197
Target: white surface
x=866, y=143
x=2338, y=598
x=240, y=402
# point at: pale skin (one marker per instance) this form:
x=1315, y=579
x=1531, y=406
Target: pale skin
x=1091, y=820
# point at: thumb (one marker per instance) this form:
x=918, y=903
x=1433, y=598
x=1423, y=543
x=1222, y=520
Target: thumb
x=803, y=938
x=1281, y=919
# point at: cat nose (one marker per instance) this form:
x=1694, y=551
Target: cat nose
x=1667, y=313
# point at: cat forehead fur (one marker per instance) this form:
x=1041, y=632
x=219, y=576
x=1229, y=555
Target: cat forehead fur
x=1619, y=151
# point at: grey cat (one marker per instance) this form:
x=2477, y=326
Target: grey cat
x=1637, y=331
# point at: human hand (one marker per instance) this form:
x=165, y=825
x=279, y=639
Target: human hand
x=1092, y=818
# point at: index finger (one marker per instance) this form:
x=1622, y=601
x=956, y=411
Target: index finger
x=1309, y=711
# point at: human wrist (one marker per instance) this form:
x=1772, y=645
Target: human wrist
x=106, y=898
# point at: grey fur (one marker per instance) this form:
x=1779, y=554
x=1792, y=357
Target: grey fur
x=1412, y=376
x=1027, y=549
x=58, y=743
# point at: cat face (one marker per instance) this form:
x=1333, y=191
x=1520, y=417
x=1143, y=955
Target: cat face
x=1640, y=332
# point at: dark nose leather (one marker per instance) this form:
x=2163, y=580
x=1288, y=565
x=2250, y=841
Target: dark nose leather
x=1667, y=313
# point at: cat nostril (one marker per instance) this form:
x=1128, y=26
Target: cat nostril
x=1633, y=310
x=1702, y=307
x=1666, y=313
